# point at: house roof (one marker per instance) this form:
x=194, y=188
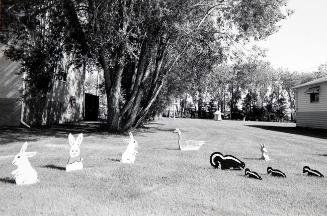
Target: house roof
x=313, y=82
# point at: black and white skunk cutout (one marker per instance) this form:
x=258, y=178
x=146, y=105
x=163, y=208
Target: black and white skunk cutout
x=275, y=172
x=312, y=172
x=225, y=162
x=252, y=174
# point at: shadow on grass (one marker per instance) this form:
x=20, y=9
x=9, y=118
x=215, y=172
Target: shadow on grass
x=253, y=159
x=317, y=133
x=169, y=149
x=114, y=159
x=52, y=166
x=172, y=149
x=227, y=170
x=322, y=155
x=155, y=129
x=251, y=179
x=154, y=123
x=7, y=180
x=307, y=176
x=22, y=134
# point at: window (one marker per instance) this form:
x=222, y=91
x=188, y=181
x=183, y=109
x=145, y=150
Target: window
x=314, y=94
x=314, y=97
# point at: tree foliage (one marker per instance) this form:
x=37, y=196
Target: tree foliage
x=137, y=44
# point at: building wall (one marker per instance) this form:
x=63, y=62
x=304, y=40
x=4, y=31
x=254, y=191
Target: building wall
x=309, y=114
x=312, y=119
x=10, y=91
x=64, y=102
x=10, y=111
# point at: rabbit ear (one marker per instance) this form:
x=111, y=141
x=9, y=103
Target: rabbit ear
x=71, y=139
x=30, y=154
x=79, y=139
x=24, y=147
x=131, y=135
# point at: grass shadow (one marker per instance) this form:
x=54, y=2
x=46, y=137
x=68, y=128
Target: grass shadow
x=311, y=132
x=227, y=170
x=22, y=134
x=322, y=155
x=114, y=159
x=52, y=166
x=302, y=175
x=172, y=149
x=154, y=123
x=7, y=180
x=263, y=176
x=252, y=159
x=307, y=176
x=153, y=129
x=170, y=130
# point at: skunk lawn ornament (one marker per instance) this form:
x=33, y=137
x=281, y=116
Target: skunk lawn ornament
x=312, y=172
x=75, y=161
x=225, y=162
x=264, y=153
x=252, y=174
x=187, y=145
x=130, y=153
x=24, y=174
x=275, y=172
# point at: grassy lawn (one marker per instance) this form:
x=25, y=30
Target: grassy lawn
x=163, y=180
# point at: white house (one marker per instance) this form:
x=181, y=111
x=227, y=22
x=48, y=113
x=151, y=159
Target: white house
x=311, y=104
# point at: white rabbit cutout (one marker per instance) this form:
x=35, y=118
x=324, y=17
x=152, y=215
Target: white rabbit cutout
x=75, y=161
x=264, y=153
x=130, y=153
x=24, y=174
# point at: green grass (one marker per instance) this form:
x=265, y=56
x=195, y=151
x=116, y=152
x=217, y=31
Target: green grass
x=165, y=181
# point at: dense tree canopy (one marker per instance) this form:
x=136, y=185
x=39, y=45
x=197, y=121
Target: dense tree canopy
x=137, y=44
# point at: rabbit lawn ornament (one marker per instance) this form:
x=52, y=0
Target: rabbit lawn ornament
x=24, y=174
x=264, y=153
x=75, y=160
x=130, y=153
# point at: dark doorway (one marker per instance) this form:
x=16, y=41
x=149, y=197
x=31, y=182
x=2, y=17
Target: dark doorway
x=91, y=107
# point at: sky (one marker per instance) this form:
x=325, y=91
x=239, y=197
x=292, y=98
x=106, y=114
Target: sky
x=301, y=43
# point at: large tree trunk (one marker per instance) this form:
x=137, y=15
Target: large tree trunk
x=127, y=106
x=144, y=99
x=113, y=92
x=231, y=103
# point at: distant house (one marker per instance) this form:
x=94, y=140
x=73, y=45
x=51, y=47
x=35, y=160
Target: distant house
x=311, y=104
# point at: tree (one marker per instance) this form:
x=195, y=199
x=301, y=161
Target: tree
x=281, y=108
x=137, y=43
x=321, y=72
x=288, y=81
x=249, y=105
x=218, y=85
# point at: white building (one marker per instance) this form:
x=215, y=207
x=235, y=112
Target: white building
x=311, y=104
